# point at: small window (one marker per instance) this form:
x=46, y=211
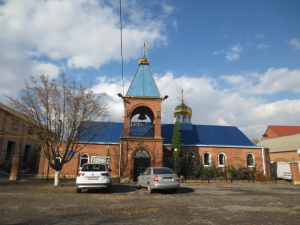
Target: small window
x=10, y=150
x=222, y=159
x=101, y=159
x=250, y=160
x=84, y=158
x=26, y=152
x=191, y=158
x=206, y=159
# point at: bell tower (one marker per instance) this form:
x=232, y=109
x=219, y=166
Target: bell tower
x=141, y=144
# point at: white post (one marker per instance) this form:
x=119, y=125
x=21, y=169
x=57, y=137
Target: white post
x=56, y=178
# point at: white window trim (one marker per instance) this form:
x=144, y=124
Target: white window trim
x=107, y=159
x=221, y=153
x=209, y=159
x=253, y=160
x=88, y=159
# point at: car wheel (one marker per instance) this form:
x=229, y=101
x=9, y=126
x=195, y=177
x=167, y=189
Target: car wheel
x=139, y=185
x=78, y=190
x=149, y=188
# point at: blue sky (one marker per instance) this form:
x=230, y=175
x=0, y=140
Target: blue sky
x=237, y=61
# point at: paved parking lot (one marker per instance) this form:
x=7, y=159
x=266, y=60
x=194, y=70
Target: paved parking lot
x=38, y=202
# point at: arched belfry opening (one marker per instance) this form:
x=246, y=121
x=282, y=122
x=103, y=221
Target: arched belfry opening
x=142, y=122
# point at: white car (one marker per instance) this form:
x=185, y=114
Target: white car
x=93, y=176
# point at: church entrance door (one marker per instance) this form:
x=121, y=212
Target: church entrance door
x=141, y=162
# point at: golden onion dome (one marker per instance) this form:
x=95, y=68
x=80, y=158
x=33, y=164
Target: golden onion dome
x=143, y=60
x=182, y=109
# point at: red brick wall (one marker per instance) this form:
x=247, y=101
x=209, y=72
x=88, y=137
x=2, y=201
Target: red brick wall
x=70, y=169
x=152, y=103
x=269, y=134
x=130, y=146
x=160, y=156
x=284, y=156
x=234, y=156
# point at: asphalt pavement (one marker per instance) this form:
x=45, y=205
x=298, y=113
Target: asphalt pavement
x=39, y=202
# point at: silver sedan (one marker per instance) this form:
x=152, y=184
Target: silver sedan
x=159, y=178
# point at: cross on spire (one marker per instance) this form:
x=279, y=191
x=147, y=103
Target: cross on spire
x=144, y=51
x=182, y=96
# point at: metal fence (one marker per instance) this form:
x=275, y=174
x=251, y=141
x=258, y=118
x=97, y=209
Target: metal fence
x=230, y=170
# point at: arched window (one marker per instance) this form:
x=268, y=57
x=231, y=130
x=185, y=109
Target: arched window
x=84, y=158
x=250, y=160
x=222, y=159
x=142, y=154
x=206, y=159
x=191, y=159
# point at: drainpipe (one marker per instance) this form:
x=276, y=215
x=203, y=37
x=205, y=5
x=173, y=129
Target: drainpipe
x=120, y=154
x=263, y=158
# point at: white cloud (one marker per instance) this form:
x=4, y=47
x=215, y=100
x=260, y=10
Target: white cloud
x=262, y=46
x=234, y=52
x=260, y=36
x=295, y=43
x=167, y=8
x=211, y=105
x=272, y=81
x=78, y=34
x=218, y=52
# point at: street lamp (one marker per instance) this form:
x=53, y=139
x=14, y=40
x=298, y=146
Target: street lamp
x=108, y=150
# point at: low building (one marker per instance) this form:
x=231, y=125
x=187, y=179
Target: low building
x=13, y=139
x=283, y=150
x=274, y=131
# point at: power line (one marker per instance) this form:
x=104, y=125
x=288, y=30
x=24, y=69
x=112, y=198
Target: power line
x=121, y=42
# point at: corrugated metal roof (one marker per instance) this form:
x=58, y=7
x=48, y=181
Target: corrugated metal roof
x=111, y=133
x=282, y=144
x=206, y=135
x=143, y=84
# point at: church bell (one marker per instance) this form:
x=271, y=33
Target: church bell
x=142, y=116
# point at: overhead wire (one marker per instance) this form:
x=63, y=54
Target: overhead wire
x=121, y=43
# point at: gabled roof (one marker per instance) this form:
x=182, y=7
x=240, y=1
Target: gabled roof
x=282, y=144
x=11, y=111
x=143, y=83
x=200, y=135
x=284, y=130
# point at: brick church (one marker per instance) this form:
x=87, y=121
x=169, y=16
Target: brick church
x=142, y=140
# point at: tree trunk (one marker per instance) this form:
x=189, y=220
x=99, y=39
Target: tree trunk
x=56, y=178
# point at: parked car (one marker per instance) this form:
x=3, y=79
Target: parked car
x=93, y=176
x=158, y=178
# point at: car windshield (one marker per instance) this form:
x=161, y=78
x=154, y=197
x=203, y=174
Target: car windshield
x=97, y=167
x=163, y=171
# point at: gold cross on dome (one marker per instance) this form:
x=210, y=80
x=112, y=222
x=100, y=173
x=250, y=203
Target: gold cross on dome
x=182, y=95
x=144, y=50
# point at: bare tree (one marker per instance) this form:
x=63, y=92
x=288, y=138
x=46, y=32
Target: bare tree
x=60, y=113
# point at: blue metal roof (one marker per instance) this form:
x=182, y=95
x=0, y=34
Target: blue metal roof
x=206, y=135
x=143, y=83
x=111, y=133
